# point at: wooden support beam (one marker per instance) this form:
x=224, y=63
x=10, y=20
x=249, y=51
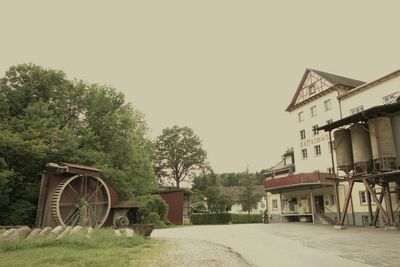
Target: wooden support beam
x=338, y=217
x=347, y=201
x=370, y=216
x=373, y=195
x=389, y=205
x=281, y=199
x=312, y=206
x=377, y=209
x=41, y=200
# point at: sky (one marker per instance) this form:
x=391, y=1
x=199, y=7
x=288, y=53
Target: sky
x=226, y=69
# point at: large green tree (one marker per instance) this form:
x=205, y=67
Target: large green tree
x=248, y=197
x=44, y=117
x=218, y=202
x=179, y=154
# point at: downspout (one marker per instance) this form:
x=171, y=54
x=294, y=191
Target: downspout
x=340, y=103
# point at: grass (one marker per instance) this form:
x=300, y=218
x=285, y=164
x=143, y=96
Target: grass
x=103, y=248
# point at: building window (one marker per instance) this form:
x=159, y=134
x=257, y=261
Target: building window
x=357, y=109
x=275, y=204
x=389, y=99
x=329, y=121
x=315, y=129
x=363, y=198
x=330, y=146
x=330, y=170
x=313, y=110
x=301, y=116
x=311, y=89
x=317, y=150
x=304, y=153
x=327, y=105
x=303, y=134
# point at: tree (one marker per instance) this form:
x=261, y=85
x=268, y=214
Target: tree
x=179, y=154
x=248, y=197
x=46, y=118
x=218, y=202
x=204, y=180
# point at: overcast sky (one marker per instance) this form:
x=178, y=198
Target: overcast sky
x=227, y=69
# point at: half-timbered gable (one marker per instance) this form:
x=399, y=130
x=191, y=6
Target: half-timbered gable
x=316, y=83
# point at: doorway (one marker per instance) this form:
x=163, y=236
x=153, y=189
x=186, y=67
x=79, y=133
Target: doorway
x=319, y=204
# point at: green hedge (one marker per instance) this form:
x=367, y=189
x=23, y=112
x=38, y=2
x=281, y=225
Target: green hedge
x=210, y=218
x=225, y=218
x=246, y=218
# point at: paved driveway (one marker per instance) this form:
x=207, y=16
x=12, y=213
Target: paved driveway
x=297, y=244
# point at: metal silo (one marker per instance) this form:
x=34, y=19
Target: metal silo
x=382, y=143
x=344, y=154
x=396, y=134
x=361, y=146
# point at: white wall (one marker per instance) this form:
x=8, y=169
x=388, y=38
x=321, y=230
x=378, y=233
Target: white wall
x=370, y=97
x=261, y=205
x=314, y=163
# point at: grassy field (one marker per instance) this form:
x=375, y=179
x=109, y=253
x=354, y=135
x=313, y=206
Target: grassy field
x=103, y=248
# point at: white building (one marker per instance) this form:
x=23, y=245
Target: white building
x=308, y=195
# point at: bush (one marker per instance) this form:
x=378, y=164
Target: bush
x=199, y=207
x=152, y=209
x=207, y=218
x=154, y=218
x=225, y=218
x=246, y=218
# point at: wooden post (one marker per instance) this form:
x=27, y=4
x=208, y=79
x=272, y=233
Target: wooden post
x=312, y=206
x=41, y=200
x=336, y=188
x=280, y=195
x=384, y=213
x=388, y=201
x=377, y=209
x=347, y=201
x=370, y=216
x=352, y=210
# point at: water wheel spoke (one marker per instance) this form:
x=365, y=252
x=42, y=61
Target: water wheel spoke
x=94, y=219
x=66, y=204
x=74, y=193
x=72, y=218
x=75, y=220
x=82, y=186
x=95, y=192
x=86, y=186
x=70, y=215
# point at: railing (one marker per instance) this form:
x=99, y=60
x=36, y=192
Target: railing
x=325, y=207
x=297, y=179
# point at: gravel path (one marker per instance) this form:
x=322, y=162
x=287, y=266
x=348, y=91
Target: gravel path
x=197, y=253
x=280, y=245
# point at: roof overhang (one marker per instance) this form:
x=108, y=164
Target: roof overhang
x=363, y=116
x=302, y=187
x=370, y=84
x=298, y=181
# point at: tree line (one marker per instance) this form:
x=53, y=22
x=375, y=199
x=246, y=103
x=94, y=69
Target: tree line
x=45, y=117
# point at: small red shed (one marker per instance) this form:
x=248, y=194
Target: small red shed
x=179, y=202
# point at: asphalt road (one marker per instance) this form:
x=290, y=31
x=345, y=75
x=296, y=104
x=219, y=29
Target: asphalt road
x=295, y=244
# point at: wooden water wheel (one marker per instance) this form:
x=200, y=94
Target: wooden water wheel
x=81, y=200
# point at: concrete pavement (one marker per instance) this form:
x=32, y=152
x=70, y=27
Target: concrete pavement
x=297, y=244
